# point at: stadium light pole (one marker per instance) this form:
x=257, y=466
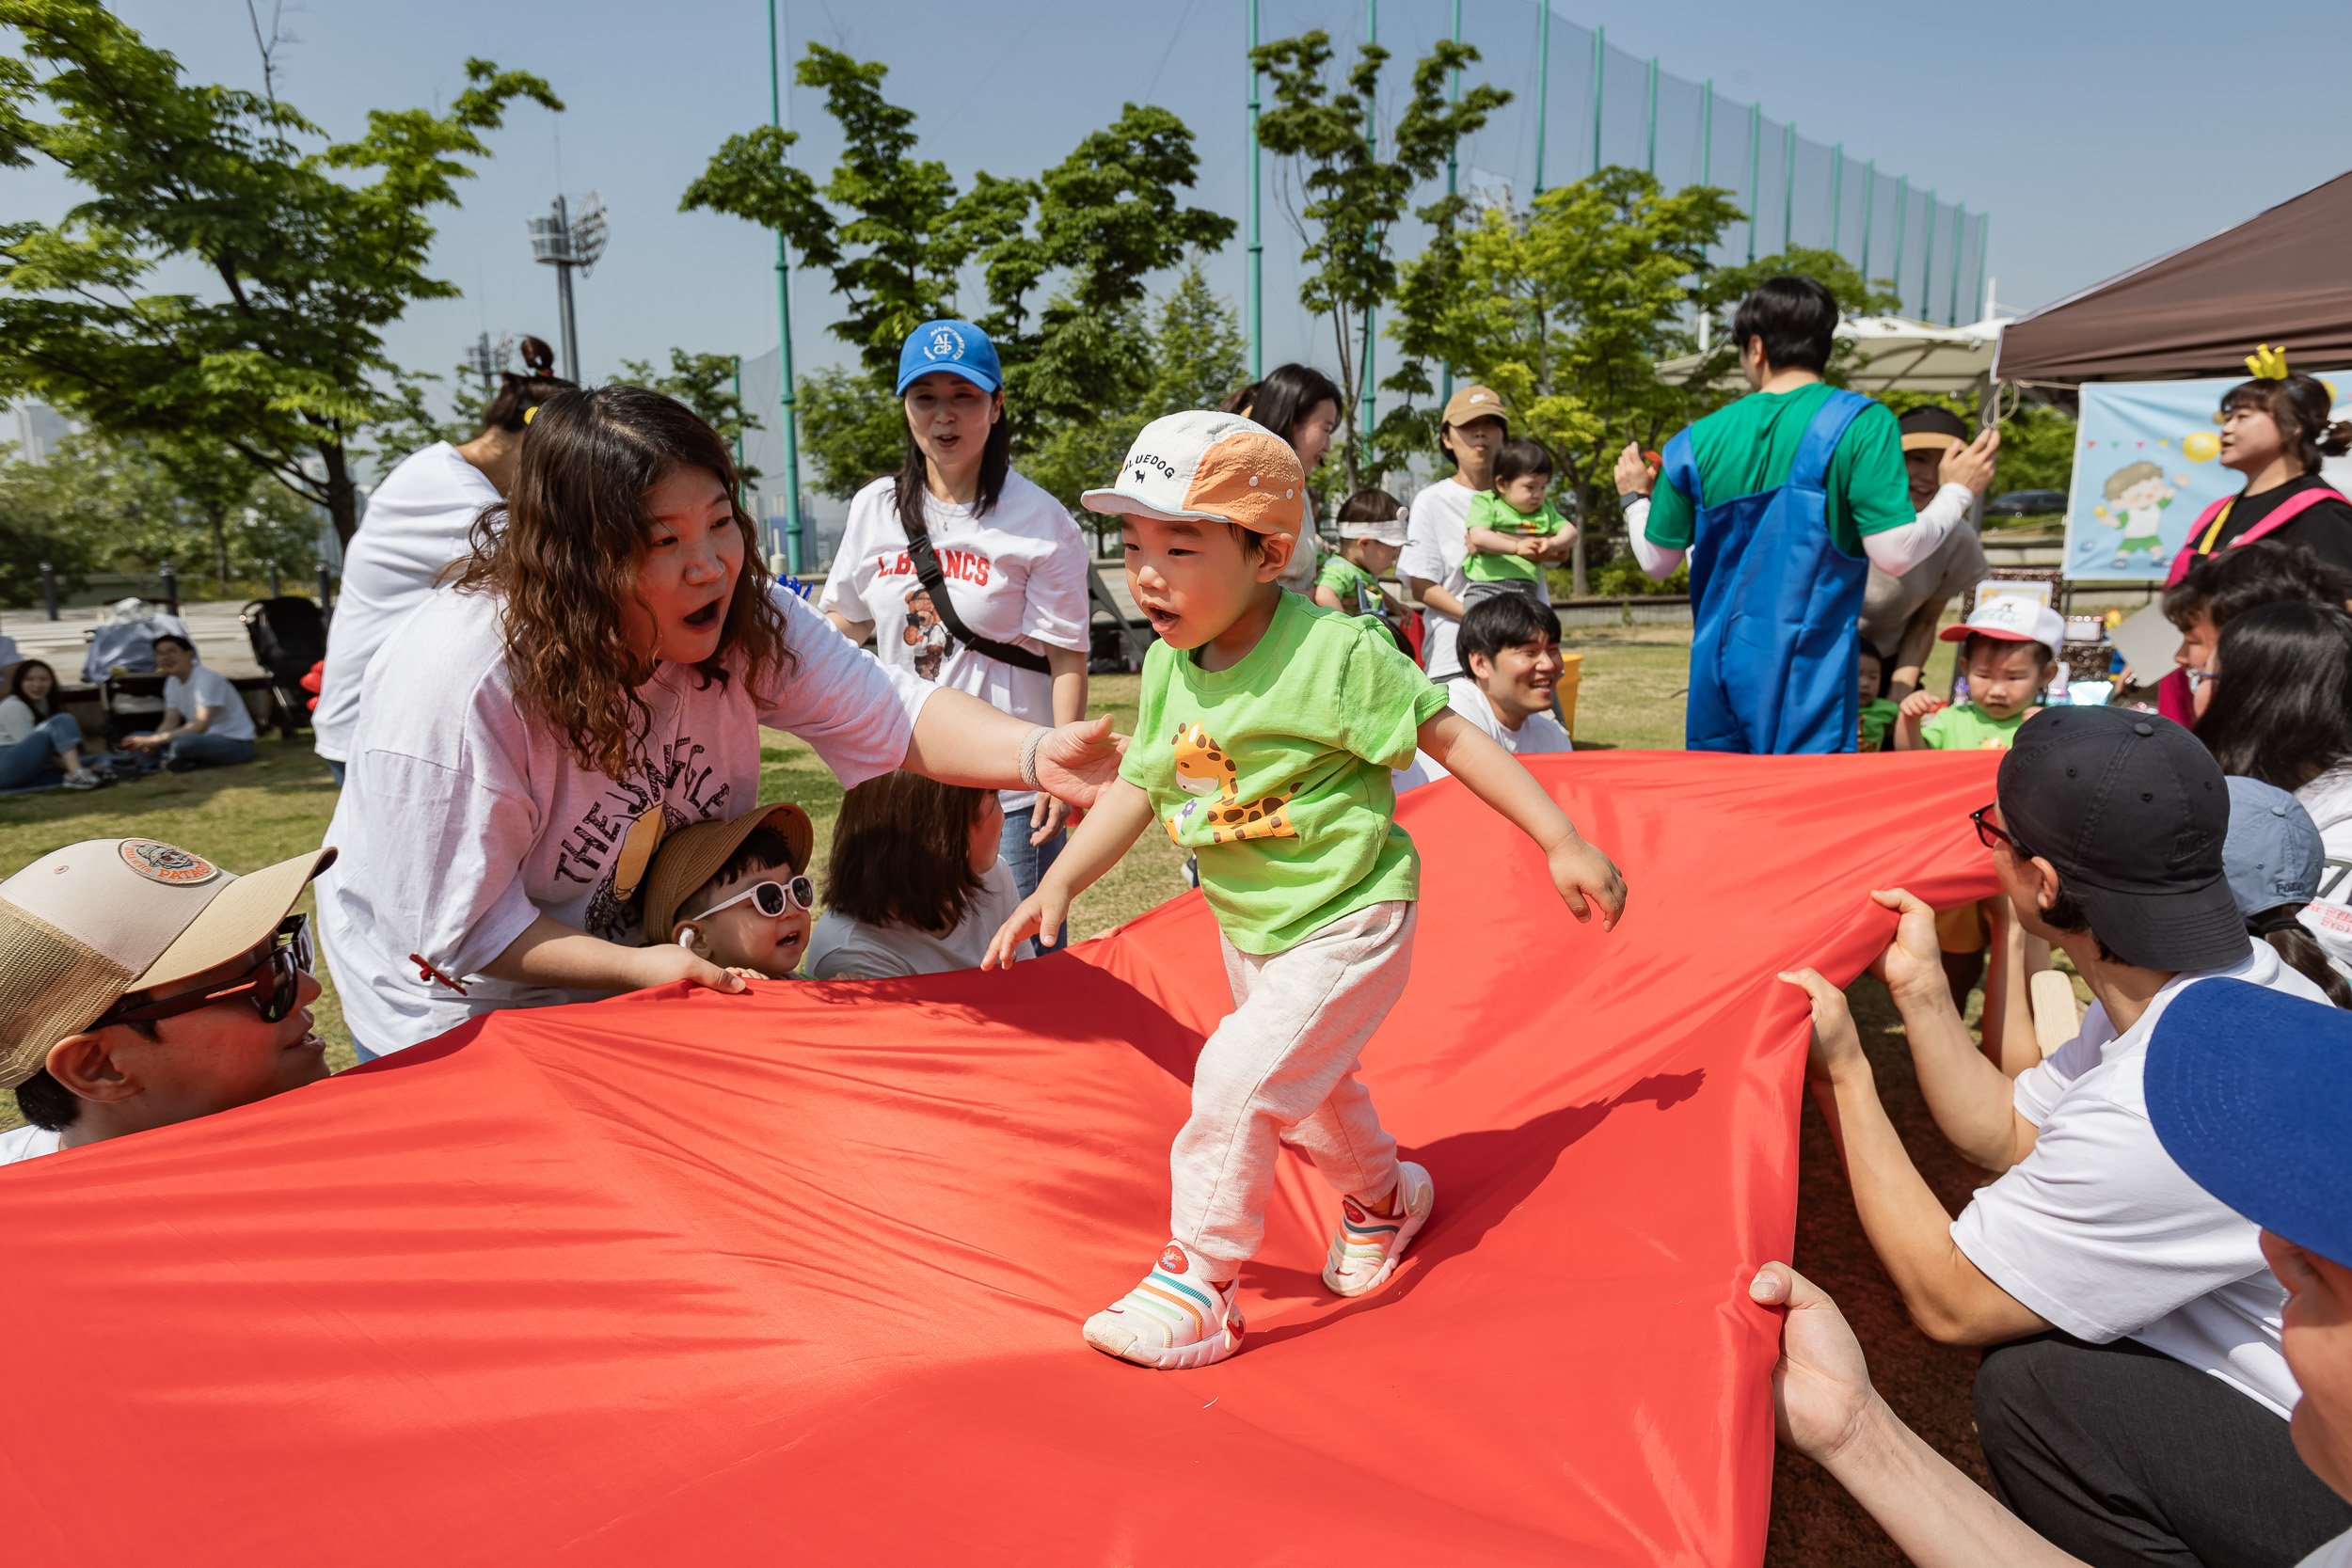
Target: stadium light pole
x=1902, y=216
x=1600, y=48
x=1838, y=199
x=1869, y=206
x=1543, y=87
x=1651, y=167
x=1927, y=262
x=793, y=529
x=1788, y=185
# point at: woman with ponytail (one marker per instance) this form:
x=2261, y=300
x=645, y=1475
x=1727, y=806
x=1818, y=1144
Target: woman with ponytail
x=1300, y=405
x=2275, y=430
x=417, y=522
x=595, y=677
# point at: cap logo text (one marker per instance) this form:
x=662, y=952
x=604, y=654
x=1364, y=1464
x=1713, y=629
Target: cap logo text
x=167, y=863
x=946, y=344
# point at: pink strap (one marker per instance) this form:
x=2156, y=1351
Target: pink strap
x=2288, y=510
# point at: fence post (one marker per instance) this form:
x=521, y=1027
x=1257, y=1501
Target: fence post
x=327, y=592
x=49, y=589
x=273, y=580
x=171, y=587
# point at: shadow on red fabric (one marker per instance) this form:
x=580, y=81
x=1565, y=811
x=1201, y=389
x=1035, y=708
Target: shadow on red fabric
x=797, y=1274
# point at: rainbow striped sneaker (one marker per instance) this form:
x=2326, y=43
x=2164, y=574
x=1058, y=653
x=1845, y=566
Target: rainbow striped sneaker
x=1365, y=1247
x=1174, y=1320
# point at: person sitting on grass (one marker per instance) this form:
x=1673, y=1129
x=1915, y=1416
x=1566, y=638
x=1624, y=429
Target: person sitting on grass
x=142, y=986
x=2133, y=1390
x=915, y=883
x=1372, y=534
x=37, y=738
x=1512, y=647
x=1514, y=526
x=205, y=723
x=1878, y=712
x=2221, y=588
x=2009, y=649
x=735, y=892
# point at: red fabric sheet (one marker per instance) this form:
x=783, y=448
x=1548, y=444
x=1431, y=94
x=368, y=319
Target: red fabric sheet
x=688, y=1277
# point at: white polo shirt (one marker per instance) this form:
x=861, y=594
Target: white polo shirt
x=2099, y=1232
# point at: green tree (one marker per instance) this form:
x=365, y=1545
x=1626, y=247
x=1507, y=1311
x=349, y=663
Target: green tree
x=1722, y=289
x=706, y=384
x=1566, y=309
x=894, y=233
x=1197, y=355
x=282, y=360
x=1354, y=198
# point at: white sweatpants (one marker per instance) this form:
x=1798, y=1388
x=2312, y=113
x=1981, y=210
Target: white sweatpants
x=1282, y=1069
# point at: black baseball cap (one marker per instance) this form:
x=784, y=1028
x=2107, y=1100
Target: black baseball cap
x=1932, y=426
x=2133, y=811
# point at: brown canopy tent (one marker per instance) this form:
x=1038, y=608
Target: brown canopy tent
x=2283, y=276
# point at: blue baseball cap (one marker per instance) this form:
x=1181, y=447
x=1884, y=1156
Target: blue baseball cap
x=2273, y=855
x=2247, y=1088
x=957, y=347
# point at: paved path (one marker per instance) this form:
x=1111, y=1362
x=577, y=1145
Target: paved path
x=220, y=640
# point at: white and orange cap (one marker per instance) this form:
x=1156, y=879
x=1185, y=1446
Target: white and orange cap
x=2013, y=618
x=1206, y=464
x=85, y=926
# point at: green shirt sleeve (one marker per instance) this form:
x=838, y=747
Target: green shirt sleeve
x=1869, y=491
x=1339, y=574
x=1937, y=731
x=1673, y=520
x=1385, y=700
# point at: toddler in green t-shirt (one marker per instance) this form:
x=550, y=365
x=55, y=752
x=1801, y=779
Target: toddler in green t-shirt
x=1513, y=525
x=1372, y=535
x=2009, y=650
x=1878, y=714
x=1265, y=734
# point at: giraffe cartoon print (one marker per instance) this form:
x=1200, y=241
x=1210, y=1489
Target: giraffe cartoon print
x=1203, y=768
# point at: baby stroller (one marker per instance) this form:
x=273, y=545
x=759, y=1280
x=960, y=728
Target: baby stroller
x=288, y=636
x=119, y=660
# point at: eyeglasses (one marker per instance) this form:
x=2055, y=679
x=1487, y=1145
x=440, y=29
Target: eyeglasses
x=1990, y=835
x=271, y=984
x=2199, y=677
x=771, y=898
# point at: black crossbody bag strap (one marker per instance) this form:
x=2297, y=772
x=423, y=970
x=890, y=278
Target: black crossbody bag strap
x=935, y=582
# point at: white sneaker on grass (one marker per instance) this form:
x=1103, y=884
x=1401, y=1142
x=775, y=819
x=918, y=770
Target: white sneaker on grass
x=85, y=778
x=1174, y=1320
x=1365, y=1247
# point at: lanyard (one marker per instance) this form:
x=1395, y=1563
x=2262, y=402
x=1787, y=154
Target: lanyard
x=2204, y=546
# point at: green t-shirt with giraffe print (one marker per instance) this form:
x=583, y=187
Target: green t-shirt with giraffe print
x=1276, y=770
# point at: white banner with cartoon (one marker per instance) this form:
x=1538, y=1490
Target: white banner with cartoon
x=2146, y=463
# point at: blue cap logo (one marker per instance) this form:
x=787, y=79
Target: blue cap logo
x=957, y=347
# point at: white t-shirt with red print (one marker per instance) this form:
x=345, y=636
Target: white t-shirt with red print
x=1017, y=574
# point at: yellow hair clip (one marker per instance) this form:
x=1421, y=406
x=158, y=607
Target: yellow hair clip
x=534, y=407
x=2267, y=363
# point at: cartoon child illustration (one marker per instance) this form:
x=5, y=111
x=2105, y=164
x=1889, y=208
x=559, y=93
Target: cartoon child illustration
x=925, y=633
x=2137, y=497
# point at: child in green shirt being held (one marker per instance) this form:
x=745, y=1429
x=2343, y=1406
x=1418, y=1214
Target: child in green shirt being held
x=1878, y=713
x=2008, y=652
x=1513, y=528
x=1266, y=733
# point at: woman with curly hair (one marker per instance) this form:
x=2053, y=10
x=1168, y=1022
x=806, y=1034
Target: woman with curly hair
x=596, y=678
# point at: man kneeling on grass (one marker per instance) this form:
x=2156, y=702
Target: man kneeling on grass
x=2133, y=1402
x=141, y=985
x=1511, y=646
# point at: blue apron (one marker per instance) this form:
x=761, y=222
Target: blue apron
x=1774, y=602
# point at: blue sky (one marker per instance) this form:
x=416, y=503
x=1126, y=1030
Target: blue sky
x=2097, y=134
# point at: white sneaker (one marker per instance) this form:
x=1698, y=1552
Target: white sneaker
x=82, y=778
x=1365, y=1247
x=1174, y=1320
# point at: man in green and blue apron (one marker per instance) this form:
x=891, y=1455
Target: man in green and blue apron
x=1782, y=501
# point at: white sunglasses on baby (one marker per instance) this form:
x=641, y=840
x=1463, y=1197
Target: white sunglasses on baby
x=773, y=898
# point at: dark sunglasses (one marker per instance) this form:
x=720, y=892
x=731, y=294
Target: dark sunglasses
x=271, y=984
x=771, y=898
x=1989, y=835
